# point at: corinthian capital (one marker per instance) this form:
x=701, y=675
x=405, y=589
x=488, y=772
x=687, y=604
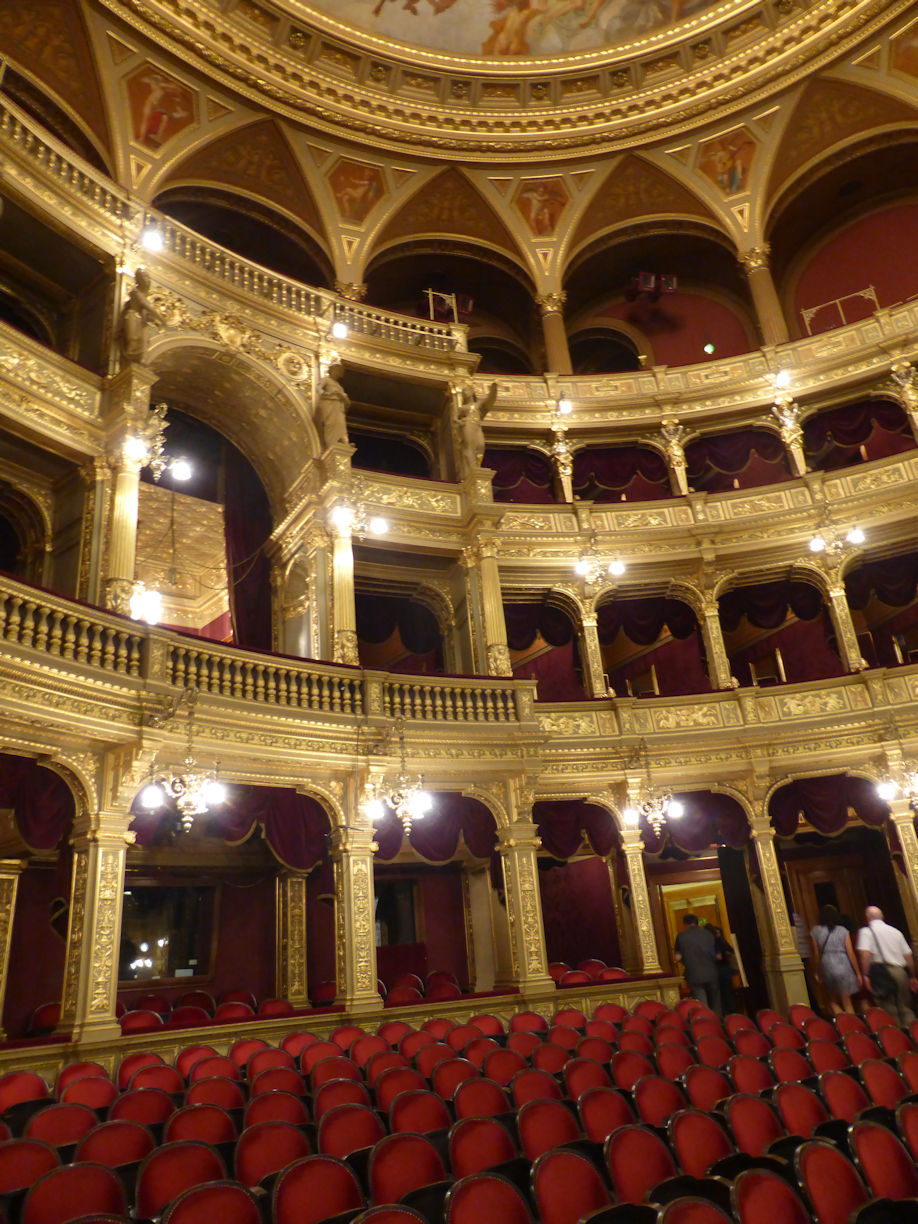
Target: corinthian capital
x=354, y=291
x=551, y=303
x=756, y=257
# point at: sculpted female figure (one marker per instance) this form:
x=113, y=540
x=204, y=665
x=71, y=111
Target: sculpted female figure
x=138, y=313
x=332, y=406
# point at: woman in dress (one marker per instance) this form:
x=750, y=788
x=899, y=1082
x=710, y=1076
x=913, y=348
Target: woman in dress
x=834, y=962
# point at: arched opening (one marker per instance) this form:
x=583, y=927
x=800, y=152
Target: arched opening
x=739, y=460
x=249, y=229
x=426, y=885
x=620, y=473
x=604, y=350
x=521, y=474
x=399, y=634
x=381, y=453
x=544, y=647
x=778, y=632
x=651, y=647
x=856, y=433
x=679, y=296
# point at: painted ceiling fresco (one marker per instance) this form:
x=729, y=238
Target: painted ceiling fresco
x=502, y=28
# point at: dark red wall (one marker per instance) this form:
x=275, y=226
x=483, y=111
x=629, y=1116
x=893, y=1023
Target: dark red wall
x=320, y=929
x=38, y=951
x=877, y=250
x=444, y=921
x=577, y=912
x=680, y=325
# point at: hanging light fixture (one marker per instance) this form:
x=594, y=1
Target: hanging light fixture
x=404, y=796
x=345, y=514
x=900, y=782
x=595, y=569
x=194, y=790
x=829, y=540
x=656, y=806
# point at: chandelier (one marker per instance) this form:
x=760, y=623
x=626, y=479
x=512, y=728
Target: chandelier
x=645, y=803
x=902, y=781
x=404, y=796
x=830, y=541
x=595, y=569
x=348, y=517
x=193, y=790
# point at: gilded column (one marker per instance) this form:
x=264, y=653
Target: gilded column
x=845, y=633
x=122, y=545
x=290, y=975
x=355, y=926
x=772, y=323
x=641, y=914
x=10, y=871
x=94, y=931
x=903, y=819
x=529, y=960
x=782, y=963
x=673, y=440
x=96, y=504
x=593, y=673
x=492, y=619
x=557, y=353
x=344, y=647
x=713, y=637
x=787, y=414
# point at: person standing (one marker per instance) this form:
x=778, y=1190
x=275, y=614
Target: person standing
x=725, y=968
x=880, y=943
x=834, y=962
x=696, y=949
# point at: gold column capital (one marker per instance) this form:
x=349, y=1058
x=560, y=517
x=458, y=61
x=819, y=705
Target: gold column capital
x=551, y=303
x=755, y=257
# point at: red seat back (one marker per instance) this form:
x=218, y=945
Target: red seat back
x=277, y=1107
x=268, y=1147
x=844, y=1097
x=207, y=1123
x=399, y=1163
x=478, y=1143
x=533, y=1085
x=418, y=1112
x=148, y=1106
x=61, y=1124
x=544, y=1125
x=485, y=1196
x=761, y=1197
x=883, y=1161
x=226, y=1093
x=74, y=1190
x=339, y=1092
x=23, y=1162
x=705, y=1086
x=754, y=1123
x=800, y=1110
x=603, y=1110
x=656, y=1099
x=480, y=1098
x=347, y=1128
x=172, y=1168
x=116, y=1143
x=224, y=1201
x=637, y=1160
x=698, y=1141
x=313, y=1189
x=831, y=1182
x=566, y=1187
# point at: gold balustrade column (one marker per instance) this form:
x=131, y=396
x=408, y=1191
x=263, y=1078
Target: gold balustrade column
x=712, y=635
x=591, y=655
x=528, y=956
x=641, y=914
x=770, y=316
x=94, y=930
x=10, y=871
x=783, y=966
x=291, y=977
x=355, y=923
x=557, y=352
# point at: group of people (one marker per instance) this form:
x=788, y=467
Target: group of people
x=877, y=962
x=846, y=967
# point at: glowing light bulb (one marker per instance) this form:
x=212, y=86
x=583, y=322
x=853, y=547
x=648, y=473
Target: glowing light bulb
x=565, y=407
x=855, y=536
x=339, y=330
x=180, y=469
x=674, y=809
x=817, y=544
x=632, y=817
x=375, y=809
x=709, y=348
x=782, y=379
x=134, y=449
x=887, y=791
x=581, y=567
x=151, y=239
x=214, y=793
x=378, y=525
x=617, y=568
x=342, y=516
x=152, y=797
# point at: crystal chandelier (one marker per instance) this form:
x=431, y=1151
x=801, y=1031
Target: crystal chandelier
x=901, y=781
x=595, y=569
x=348, y=517
x=830, y=541
x=644, y=802
x=193, y=790
x=404, y=796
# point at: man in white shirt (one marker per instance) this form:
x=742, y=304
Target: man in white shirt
x=878, y=941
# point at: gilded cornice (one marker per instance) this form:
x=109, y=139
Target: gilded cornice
x=398, y=97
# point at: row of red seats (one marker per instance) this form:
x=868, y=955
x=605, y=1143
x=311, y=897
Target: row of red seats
x=587, y=973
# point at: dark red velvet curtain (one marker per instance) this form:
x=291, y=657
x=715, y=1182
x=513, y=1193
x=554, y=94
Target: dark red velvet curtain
x=893, y=580
x=605, y=473
x=832, y=438
x=766, y=604
x=805, y=651
x=247, y=526
x=378, y=616
x=436, y=837
x=563, y=823
x=525, y=621
x=41, y=801
x=710, y=818
x=296, y=826
x=824, y=802
x=520, y=476
x=678, y=663
x=756, y=454
x=643, y=620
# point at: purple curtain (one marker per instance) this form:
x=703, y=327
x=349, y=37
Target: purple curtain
x=296, y=826
x=824, y=802
x=520, y=476
x=247, y=526
x=562, y=824
x=643, y=620
x=766, y=604
x=893, y=580
x=436, y=837
x=525, y=621
x=710, y=818
x=605, y=473
x=42, y=802
x=853, y=424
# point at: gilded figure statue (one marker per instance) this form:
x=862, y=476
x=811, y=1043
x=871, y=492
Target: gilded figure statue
x=471, y=412
x=136, y=316
x=331, y=407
